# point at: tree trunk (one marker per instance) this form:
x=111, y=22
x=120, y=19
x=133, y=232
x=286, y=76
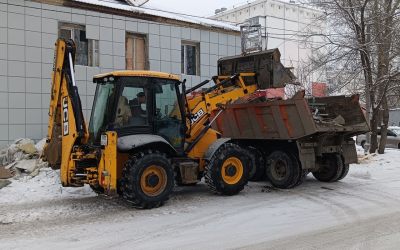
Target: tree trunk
x=374, y=131
x=384, y=125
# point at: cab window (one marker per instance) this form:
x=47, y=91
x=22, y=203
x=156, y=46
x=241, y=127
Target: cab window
x=132, y=107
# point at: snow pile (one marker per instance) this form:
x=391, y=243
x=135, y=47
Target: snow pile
x=45, y=186
x=21, y=158
x=24, y=177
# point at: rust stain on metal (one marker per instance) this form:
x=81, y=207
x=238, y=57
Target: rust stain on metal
x=285, y=119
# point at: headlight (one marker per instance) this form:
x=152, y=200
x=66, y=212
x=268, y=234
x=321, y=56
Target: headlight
x=103, y=140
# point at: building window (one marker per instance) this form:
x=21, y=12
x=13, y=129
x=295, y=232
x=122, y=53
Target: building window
x=136, y=52
x=190, y=58
x=93, y=58
x=87, y=50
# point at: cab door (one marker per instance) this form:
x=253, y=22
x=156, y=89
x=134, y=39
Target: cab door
x=168, y=120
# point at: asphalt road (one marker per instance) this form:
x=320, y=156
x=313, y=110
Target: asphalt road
x=360, y=212
x=380, y=232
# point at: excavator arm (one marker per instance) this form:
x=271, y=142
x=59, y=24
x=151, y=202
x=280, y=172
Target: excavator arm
x=210, y=103
x=66, y=126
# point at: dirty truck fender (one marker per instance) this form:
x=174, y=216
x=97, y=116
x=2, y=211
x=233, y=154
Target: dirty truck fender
x=131, y=142
x=214, y=147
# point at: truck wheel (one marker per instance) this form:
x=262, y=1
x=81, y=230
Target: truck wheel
x=227, y=171
x=257, y=168
x=147, y=180
x=303, y=175
x=331, y=170
x=283, y=170
x=345, y=171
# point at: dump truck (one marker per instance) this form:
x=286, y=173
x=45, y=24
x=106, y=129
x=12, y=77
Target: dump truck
x=147, y=132
x=296, y=136
x=287, y=139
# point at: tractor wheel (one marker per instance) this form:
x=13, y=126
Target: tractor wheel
x=147, y=180
x=228, y=170
x=331, y=170
x=257, y=168
x=283, y=170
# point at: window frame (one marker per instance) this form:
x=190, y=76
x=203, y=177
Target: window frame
x=93, y=46
x=195, y=44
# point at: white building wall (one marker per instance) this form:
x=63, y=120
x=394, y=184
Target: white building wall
x=286, y=26
x=28, y=32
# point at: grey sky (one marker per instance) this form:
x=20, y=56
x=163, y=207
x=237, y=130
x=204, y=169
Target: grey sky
x=192, y=7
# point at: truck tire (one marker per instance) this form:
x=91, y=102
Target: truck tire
x=283, y=170
x=257, y=168
x=303, y=176
x=147, y=180
x=331, y=170
x=227, y=171
x=345, y=171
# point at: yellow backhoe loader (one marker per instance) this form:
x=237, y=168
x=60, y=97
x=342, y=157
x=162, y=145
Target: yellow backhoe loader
x=143, y=133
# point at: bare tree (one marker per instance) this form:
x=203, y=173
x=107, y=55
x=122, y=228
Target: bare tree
x=361, y=44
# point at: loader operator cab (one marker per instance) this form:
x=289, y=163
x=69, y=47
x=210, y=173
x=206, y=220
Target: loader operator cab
x=137, y=102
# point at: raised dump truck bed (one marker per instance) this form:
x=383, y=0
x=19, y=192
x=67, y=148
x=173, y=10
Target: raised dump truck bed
x=292, y=119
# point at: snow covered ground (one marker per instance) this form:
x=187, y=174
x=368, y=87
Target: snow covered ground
x=360, y=212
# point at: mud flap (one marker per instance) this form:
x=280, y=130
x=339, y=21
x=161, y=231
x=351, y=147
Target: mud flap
x=349, y=152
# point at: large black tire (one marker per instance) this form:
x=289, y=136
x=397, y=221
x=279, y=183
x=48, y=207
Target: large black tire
x=147, y=180
x=345, y=171
x=227, y=171
x=331, y=168
x=257, y=168
x=302, y=177
x=283, y=170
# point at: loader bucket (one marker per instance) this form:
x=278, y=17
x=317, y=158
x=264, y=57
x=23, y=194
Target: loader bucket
x=270, y=72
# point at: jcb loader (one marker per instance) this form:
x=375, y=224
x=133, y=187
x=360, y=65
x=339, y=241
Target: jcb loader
x=144, y=133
